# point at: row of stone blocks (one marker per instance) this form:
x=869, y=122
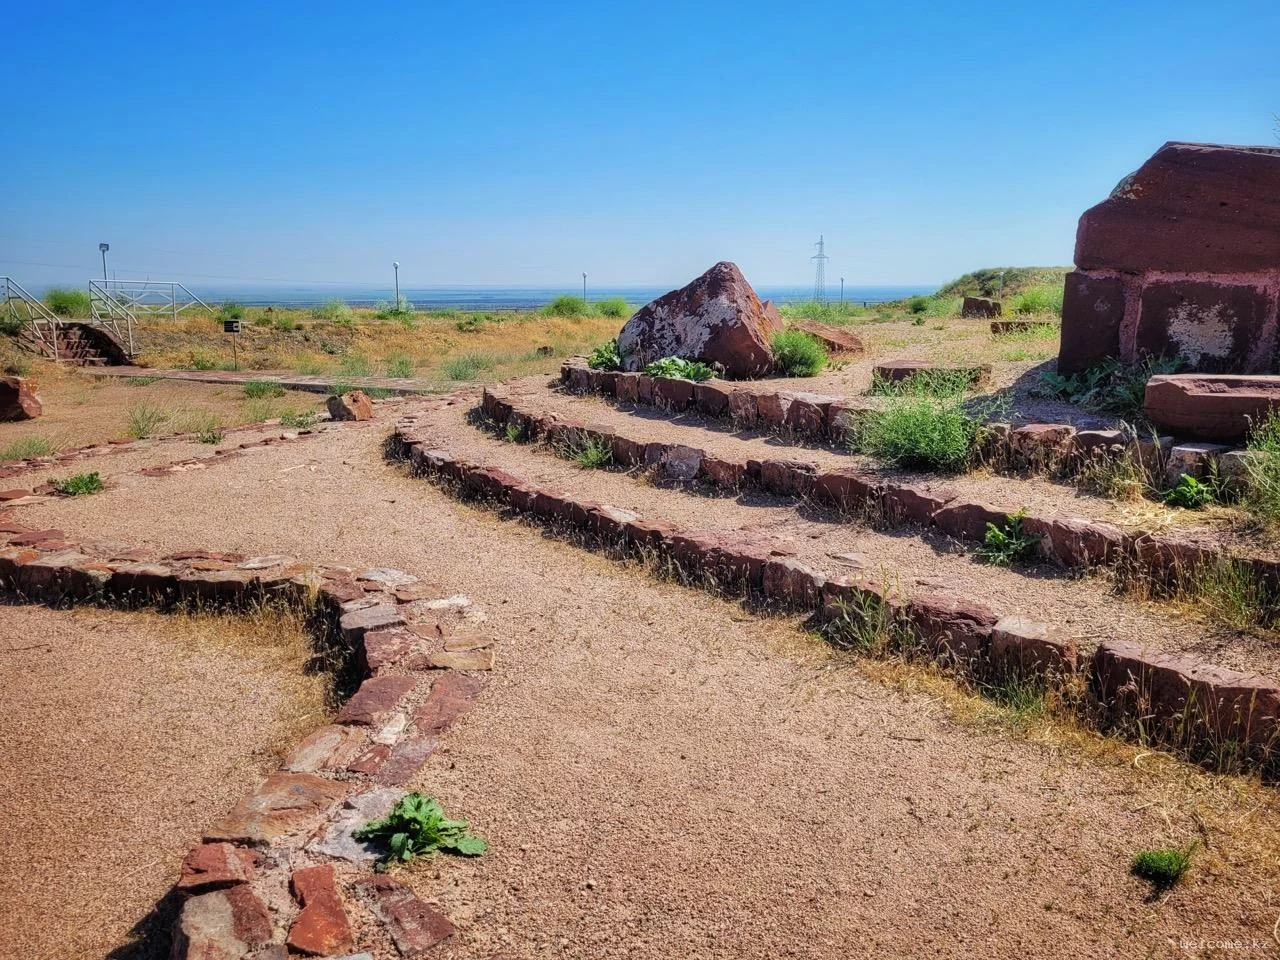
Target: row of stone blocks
x=819, y=418
x=1182, y=700
x=267, y=881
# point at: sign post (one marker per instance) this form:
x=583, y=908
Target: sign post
x=233, y=327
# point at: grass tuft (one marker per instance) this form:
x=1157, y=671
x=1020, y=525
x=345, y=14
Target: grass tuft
x=1260, y=493
x=1162, y=868
x=263, y=389
x=466, y=366
x=798, y=354
x=79, y=484
x=400, y=367
x=298, y=420
x=25, y=448
x=919, y=433
x=142, y=420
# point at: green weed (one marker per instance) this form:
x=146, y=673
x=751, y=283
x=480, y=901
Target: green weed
x=140, y=381
x=201, y=360
x=1260, y=493
x=938, y=384
x=143, y=419
x=1108, y=387
x=835, y=314
x=591, y=455
x=298, y=420
x=11, y=326
x=466, y=366
x=79, y=484
x=919, y=433
x=513, y=433
x=231, y=311
x=867, y=624
x=1189, y=493
x=400, y=367
x=25, y=448
x=1007, y=544
x=263, y=389
x=798, y=354
x=613, y=307
x=417, y=827
x=1162, y=868
x=918, y=305
x=1036, y=300
x=355, y=364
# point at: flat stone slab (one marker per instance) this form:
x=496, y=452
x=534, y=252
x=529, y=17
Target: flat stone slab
x=338, y=841
x=836, y=341
x=1210, y=406
x=283, y=804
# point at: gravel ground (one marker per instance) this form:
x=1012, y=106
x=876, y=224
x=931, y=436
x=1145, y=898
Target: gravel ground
x=664, y=775
x=117, y=752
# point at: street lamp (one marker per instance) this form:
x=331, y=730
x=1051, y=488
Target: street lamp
x=396, y=264
x=102, y=249
x=842, y=291
x=584, y=286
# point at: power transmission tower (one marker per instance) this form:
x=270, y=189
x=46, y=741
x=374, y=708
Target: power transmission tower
x=820, y=272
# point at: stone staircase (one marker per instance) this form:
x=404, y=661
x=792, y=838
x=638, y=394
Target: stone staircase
x=86, y=345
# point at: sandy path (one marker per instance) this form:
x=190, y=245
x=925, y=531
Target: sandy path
x=117, y=752
x=665, y=776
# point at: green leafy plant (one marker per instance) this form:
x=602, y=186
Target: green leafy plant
x=1189, y=493
x=918, y=305
x=605, y=357
x=613, y=307
x=25, y=448
x=679, y=368
x=513, y=433
x=567, y=306
x=79, y=485
x=466, y=366
x=1008, y=543
x=231, y=311
x=798, y=354
x=141, y=381
x=417, y=827
x=298, y=420
x=1107, y=387
x=142, y=420
x=68, y=302
x=263, y=389
x=202, y=360
x=1163, y=867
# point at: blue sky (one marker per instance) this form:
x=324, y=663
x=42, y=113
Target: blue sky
x=640, y=142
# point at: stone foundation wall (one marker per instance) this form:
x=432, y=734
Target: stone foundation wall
x=1182, y=260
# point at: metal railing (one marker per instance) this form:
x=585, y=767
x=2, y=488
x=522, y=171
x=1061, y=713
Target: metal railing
x=118, y=304
x=40, y=324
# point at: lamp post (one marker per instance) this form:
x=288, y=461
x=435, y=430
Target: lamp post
x=584, y=286
x=842, y=291
x=396, y=265
x=102, y=249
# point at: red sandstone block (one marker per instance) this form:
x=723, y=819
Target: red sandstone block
x=807, y=415
x=645, y=389
x=1027, y=648
x=1214, y=327
x=1075, y=542
x=222, y=924
x=628, y=387
x=739, y=563
x=628, y=452
x=321, y=927
x=1211, y=407
x=843, y=416
x=608, y=382
x=414, y=926
x=214, y=866
x=142, y=581
x=1093, y=308
x=788, y=478
x=370, y=761
x=404, y=760
x=743, y=407
x=907, y=503
x=384, y=648
x=283, y=804
x=792, y=584
x=712, y=398
x=376, y=698
x=771, y=409
x=725, y=474
x=610, y=523
x=968, y=521
x=451, y=695
x=649, y=534
x=951, y=628
x=673, y=393
x=847, y=490
x=693, y=549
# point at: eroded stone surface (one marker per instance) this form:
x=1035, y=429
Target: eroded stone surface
x=212, y=866
x=1208, y=406
x=321, y=927
x=415, y=927
x=18, y=400
x=222, y=925
x=284, y=803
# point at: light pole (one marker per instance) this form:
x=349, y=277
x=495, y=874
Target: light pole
x=102, y=249
x=396, y=264
x=584, y=286
x=842, y=291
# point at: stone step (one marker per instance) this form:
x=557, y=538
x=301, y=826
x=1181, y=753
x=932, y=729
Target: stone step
x=818, y=534
x=960, y=625
x=1210, y=406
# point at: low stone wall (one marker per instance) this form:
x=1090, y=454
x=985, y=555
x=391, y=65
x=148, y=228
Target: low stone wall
x=1168, y=559
x=1195, y=704
x=281, y=873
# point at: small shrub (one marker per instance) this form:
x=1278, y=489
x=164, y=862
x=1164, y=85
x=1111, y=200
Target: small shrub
x=470, y=323
x=298, y=420
x=567, y=306
x=339, y=387
x=11, y=326
x=210, y=434
x=1108, y=387
x=798, y=354
x=231, y=311
x=513, y=433
x=17, y=366
x=1007, y=544
x=201, y=360
x=25, y=448
x=402, y=310
x=1162, y=868
x=1189, y=493
x=867, y=624
x=334, y=309
x=400, y=367
x=466, y=366
x=79, y=484
x=263, y=389
x=284, y=323
x=613, y=307
x=919, y=433
x=1047, y=299
x=918, y=305
x=605, y=357
x=143, y=419
x=417, y=827
x=68, y=302
x=679, y=368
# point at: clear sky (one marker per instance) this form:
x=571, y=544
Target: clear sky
x=523, y=143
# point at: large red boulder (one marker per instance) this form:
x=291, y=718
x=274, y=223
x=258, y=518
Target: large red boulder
x=1208, y=406
x=1180, y=261
x=717, y=319
x=18, y=400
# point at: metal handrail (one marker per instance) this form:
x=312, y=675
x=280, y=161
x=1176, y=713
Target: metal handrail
x=38, y=315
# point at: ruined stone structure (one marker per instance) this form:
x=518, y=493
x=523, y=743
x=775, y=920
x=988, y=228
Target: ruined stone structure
x=1183, y=259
